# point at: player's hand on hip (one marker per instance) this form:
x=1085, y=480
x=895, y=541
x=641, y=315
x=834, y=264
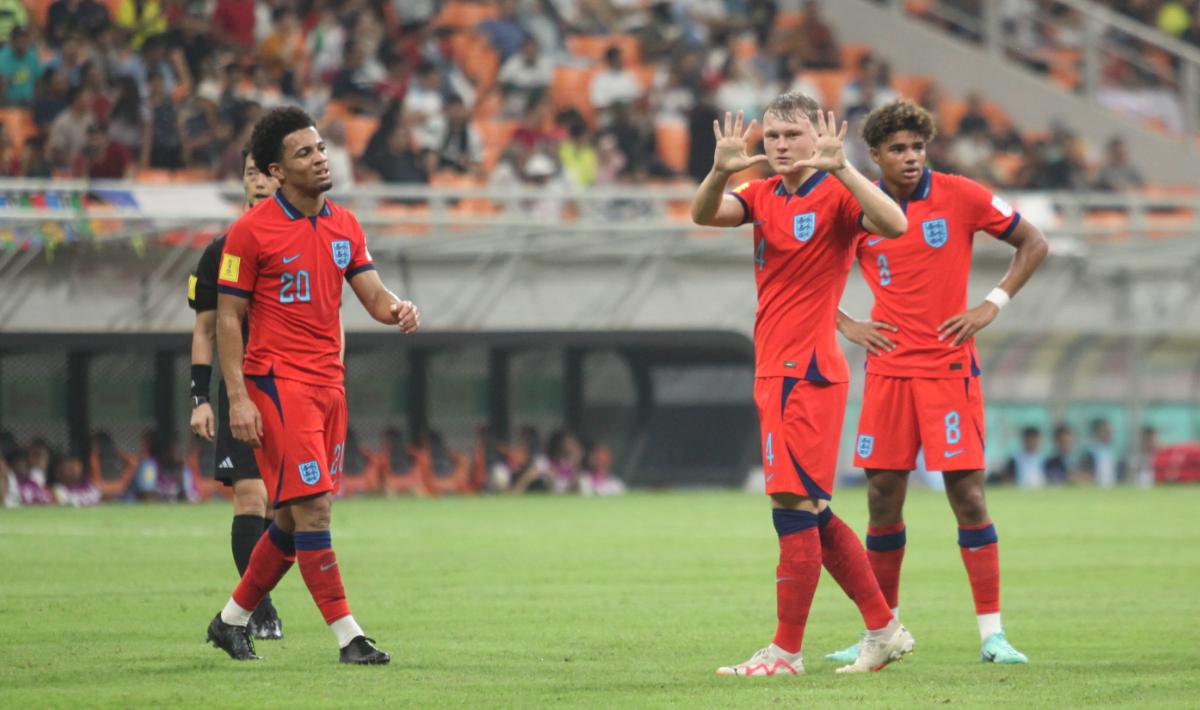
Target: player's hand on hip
x=829, y=146
x=870, y=335
x=203, y=422
x=963, y=326
x=407, y=316
x=730, y=156
x=245, y=422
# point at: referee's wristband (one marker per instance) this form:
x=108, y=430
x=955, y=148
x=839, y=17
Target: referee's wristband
x=201, y=376
x=999, y=298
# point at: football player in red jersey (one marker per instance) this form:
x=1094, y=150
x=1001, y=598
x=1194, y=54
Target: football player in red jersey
x=922, y=390
x=806, y=219
x=282, y=269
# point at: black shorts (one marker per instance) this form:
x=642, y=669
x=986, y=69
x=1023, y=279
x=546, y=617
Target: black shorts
x=234, y=459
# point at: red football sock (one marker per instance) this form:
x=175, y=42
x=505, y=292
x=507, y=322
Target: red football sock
x=796, y=577
x=885, y=550
x=270, y=560
x=980, y=548
x=844, y=557
x=318, y=565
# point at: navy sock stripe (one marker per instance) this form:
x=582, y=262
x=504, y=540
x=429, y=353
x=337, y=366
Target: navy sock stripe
x=313, y=540
x=977, y=538
x=790, y=522
x=887, y=543
x=824, y=517
x=284, y=541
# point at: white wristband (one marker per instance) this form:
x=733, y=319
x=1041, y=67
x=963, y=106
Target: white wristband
x=998, y=297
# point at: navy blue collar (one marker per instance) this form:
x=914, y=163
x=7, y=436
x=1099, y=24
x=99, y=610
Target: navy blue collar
x=290, y=210
x=924, y=186
x=805, y=187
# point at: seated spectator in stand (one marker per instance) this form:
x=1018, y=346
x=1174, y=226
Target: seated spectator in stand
x=575, y=153
x=973, y=153
x=702, y=143
x=69, y=133
x=597, y=478
x=41, y=460
x=634, y=130
x=530, y=467
x=460, y=147
x=792, y=77
x=744, y=88
x=973, y=118
x=50, y=97
x=128, y=117
x=424, y=103
x=401, y=161
x=524, y=78
x=233, y=23
x=19, y=69
x=1142, y=469
x=1118, y=174
x=1026, y=467
x=79, y=18
x=565, y=455
x=355, y=83
x=869, y=72
x=613, y=84
x=142, y=19
x=162, y=136
x=813, y=39
x=201, y=129
x=12, y=16
x=1061, y=467
x=103, y=159
x=71, y=486
x=150, y=467
x=23, y=487
x=537, y=130
x=504, y=31
x=1100, y=462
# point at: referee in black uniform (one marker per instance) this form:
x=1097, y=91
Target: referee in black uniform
x=235, y=464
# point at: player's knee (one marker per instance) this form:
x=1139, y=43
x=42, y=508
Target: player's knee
x=314, y=513
x=250, y=498
x=970, y=506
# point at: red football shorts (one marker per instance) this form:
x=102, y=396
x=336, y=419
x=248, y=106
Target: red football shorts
x=800, y=424
x=304, y=434
x=901, y=415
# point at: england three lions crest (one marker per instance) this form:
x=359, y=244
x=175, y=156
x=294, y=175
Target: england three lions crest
x=804, y=225
x=341, y=252
x=936, y=232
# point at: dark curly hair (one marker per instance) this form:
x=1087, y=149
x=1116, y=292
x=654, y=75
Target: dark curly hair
x=266, y=140
x=899, y=115
x=791, y=105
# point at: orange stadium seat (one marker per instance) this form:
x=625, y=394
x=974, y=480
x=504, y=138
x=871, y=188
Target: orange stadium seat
x=1064, y=66
x=569, y=89
x=830, y=83
x=673, y=142
x=465, y=14
x=18, y=123
x=911, y=86
x=495, y=135
x=359, y=130
x=154, y=175
x=476, y=58
x=594, y=46
x=852, y=53
x=950, y=111
x=997, y=115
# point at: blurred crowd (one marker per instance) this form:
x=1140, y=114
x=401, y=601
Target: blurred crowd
x=1096, y=462
x=37, y=473
x=559, y=94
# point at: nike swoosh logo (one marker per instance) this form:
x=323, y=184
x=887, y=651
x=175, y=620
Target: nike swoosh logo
x=952, y=454
x=288, y=260
x=873, y=242
x=770, y=477
x=782, y=579
x=331, y=565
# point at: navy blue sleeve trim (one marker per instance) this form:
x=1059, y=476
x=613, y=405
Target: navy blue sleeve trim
x=745, y=208
x=1011, y=226
x=232, y=291
x=358, y=270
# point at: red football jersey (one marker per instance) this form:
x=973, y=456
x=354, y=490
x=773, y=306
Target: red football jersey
x=920, y=279
x=291, y=267
x=803, y=250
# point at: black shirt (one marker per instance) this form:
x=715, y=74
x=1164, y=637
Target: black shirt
x=202, y=284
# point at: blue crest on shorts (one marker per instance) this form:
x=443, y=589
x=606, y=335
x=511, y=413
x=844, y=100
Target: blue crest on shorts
x=803, y=225
x=310, y=472
x=866, y=444
x=935, y=231
x=341, y=252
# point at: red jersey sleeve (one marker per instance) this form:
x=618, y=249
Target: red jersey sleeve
x=238, y=272
x=747, y=194
x=983, y=211
x=360, y=256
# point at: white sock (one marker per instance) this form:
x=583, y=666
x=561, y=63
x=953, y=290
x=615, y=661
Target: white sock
x=886, y=630
x=896, y=613
x=787, y=655
x=234, y=615
x=988, y=624
x=345, y=629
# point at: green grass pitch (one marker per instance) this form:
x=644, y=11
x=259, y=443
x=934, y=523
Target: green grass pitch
x=618, y=603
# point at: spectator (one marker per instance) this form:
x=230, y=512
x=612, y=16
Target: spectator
x=51, y=97
x=1143, y=467
x=71, y=486
x=326, y=44
x=613, y=84
x=744, y=89
x=504, y=31
x=78, y=18
x=402, y=160
x=284, y=48
x=128, y=116
x=525, y=77
x=192, y=36
x=1026, y=468
x=201, y=128
x=19, y=69
x=33, y=158
x=68, y=134
x=41, y=459
x=460, y=147
x=813, y=39
x=423, y=103
x=12, y=16
x=1060, y=468
x=1118, y=174
x=973, y=153
x=565, y=455
x=791, y=74
x=702, y=143
x=531, y=468
x=233, y=22
x=1174, y=18
x=354, y=84
x=24, y=486
x=876, y=74
x=162, y=136
x=575, y=153
x=537, y=131
x=102, y=158
x=1100, y=461
x=636, y=137
x=974, y=120
x=142, y=19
